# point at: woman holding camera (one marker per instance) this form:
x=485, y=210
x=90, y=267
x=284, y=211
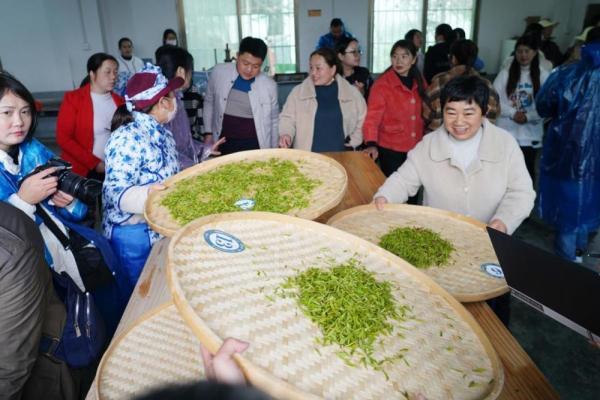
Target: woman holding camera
x=29, y=182
x=83, y=124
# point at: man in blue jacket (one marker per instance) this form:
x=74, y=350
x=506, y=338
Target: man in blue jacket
x=569, y=192
x=337, y=31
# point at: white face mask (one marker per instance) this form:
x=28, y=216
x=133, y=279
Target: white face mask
x=172, y=113
x=172, y=42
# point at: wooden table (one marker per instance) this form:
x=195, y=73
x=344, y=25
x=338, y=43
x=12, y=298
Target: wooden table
x=523, y=380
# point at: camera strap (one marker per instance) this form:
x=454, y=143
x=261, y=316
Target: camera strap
x=50, y=224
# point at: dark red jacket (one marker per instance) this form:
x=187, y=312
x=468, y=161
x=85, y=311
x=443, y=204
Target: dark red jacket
x=393, y=116
x=75, y=129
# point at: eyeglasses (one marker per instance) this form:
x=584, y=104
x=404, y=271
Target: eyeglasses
x=354, y=52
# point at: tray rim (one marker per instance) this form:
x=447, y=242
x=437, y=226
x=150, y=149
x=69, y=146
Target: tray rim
x=265, y=380
x=114, y=345
x=460, y=296
x=250, y=155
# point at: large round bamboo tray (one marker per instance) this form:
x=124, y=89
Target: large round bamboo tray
x=228, y=289
x=158, y=350
x=463, y=276
x=326, y=196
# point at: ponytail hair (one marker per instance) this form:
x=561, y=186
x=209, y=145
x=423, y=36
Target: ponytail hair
x=123, y=116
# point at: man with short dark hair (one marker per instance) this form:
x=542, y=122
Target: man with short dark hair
x=241, y=102
x=337, y=31
x=128, y=64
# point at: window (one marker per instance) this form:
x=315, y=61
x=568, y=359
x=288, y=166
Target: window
x=393, y=18
x=212, y=25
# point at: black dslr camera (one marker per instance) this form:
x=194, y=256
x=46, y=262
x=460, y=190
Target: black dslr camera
x=84, y=189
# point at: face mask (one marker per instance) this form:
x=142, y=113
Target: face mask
x=172, y=42
x=172, y=113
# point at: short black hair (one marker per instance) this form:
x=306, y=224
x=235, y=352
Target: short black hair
x=169, y=58
x=593, y=35
x=96, y=60
x=254, y=46
x=459, y=33
x=410, y=35
x=10, y=84
x=446, y=31
x=465, y=51
x=167, y=32
x=469, y=88
x=336, y=22
x=330, y=57
x=123, y=40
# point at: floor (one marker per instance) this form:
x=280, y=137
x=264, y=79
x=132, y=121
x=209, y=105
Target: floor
x=571, y=364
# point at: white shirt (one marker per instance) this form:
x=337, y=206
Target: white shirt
x=131, y=66
x=464, y=152
x=104, y=107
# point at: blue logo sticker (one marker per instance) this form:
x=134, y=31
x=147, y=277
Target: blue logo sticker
x=245, y=204
x=492, y=269
x=223, y=241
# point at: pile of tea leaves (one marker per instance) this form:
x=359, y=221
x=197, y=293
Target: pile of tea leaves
x=352, y=309
x=275, y=185
x=421, y=247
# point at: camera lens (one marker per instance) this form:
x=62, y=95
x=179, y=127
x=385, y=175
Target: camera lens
x=84, y=189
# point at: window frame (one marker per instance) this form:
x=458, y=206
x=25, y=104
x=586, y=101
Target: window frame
x=183, y=33
x=423, y=28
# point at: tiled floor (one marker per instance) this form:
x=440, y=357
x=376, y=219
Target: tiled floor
x=570, y=363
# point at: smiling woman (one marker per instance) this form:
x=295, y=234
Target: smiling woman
x=83, y=124
x=468, y=165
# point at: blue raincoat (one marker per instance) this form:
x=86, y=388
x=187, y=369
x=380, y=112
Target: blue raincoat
x=569, y=187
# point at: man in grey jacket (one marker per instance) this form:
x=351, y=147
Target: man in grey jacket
x=241, y=102
x=31, y=316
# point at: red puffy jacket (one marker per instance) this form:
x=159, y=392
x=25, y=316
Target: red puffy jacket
x=75, y=129
x=394, y=114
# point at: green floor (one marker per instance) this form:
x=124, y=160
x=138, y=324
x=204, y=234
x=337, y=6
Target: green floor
x=570, y=363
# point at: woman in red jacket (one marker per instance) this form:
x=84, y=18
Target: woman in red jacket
x=393, y=125
x=83, y=125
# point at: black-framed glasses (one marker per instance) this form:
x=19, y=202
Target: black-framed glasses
x=357, y=52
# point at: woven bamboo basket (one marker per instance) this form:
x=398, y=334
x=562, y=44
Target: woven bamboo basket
x=317, y=166
x=224, y=271
x=158, y=350
x=463, y=276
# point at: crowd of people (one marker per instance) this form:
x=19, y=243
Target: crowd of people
x=431, y=121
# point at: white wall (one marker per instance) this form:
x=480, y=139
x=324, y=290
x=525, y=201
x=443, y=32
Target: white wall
x=42, y=41
x=504, y=19
x=143, y=21
x=354, y=13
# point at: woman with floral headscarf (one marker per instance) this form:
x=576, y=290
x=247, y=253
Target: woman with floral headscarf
x=140, y=154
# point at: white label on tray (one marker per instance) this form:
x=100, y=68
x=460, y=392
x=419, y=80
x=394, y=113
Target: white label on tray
x=245, y=204
x=223, y=241
x=492, y=269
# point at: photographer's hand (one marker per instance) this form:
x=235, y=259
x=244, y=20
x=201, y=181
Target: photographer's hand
x=62, y=199
x=38, y=187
